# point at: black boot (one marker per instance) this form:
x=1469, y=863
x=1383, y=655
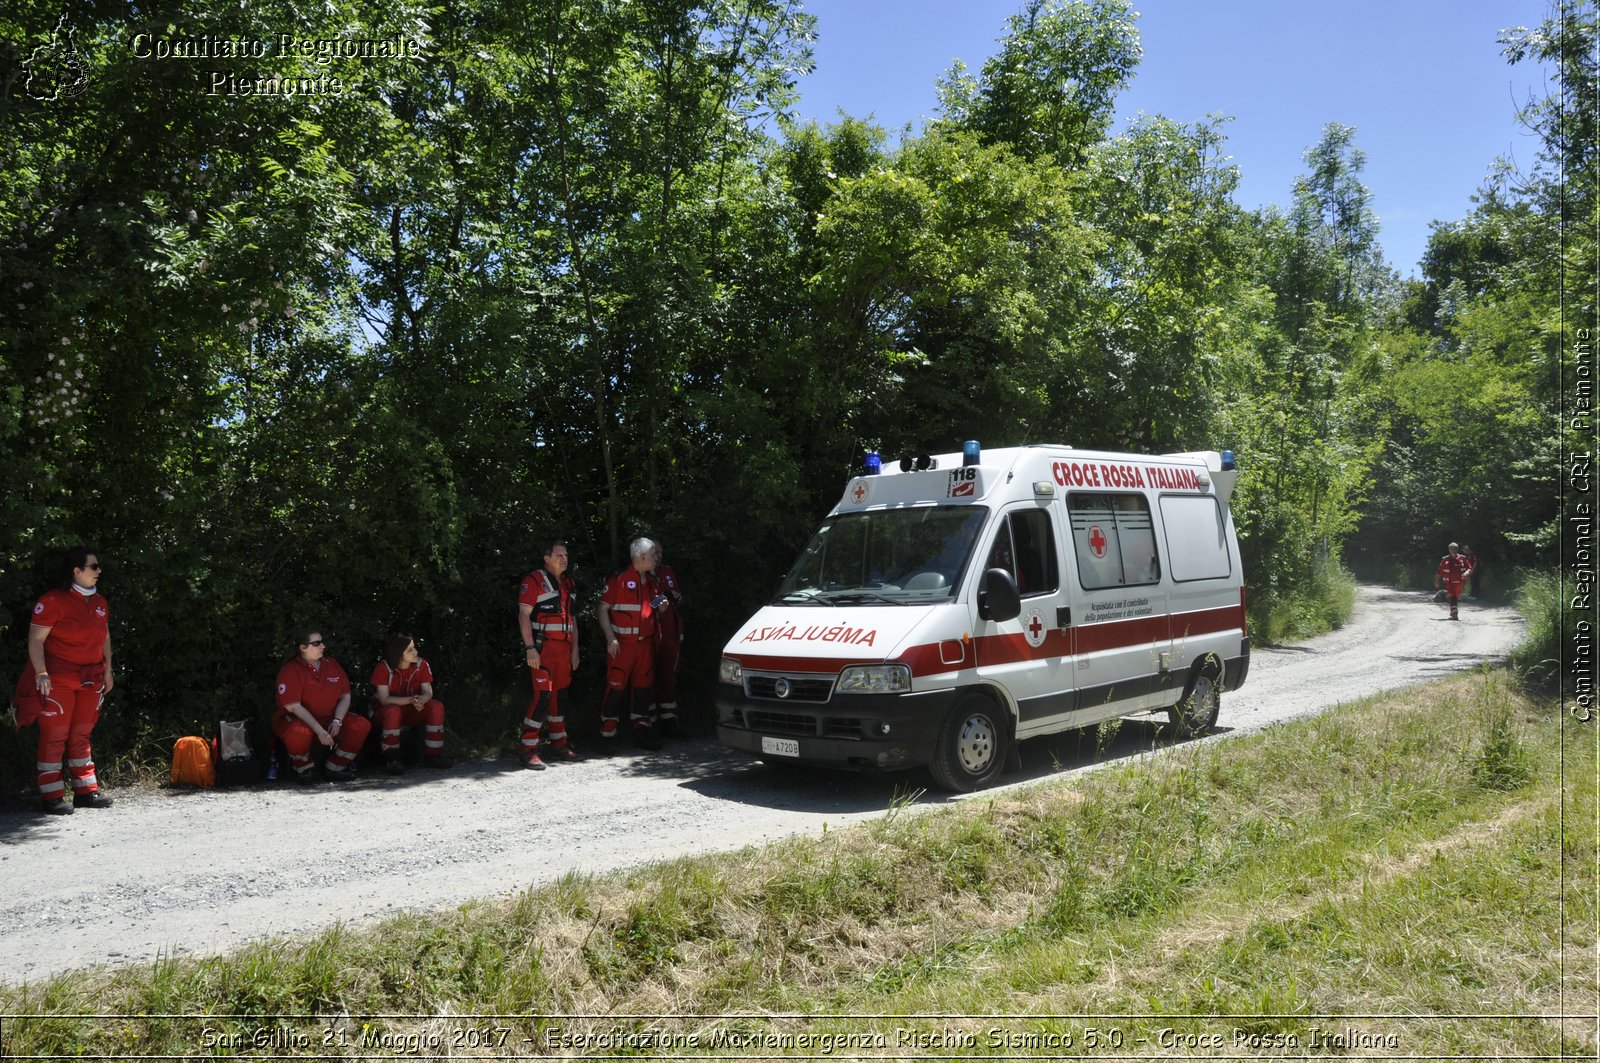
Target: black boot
x=94, y=800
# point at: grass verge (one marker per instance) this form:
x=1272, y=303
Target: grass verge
x=1376, y=880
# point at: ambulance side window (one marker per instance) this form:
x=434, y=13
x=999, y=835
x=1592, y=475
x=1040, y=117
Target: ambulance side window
x=1025, y=546
x=1114, y=540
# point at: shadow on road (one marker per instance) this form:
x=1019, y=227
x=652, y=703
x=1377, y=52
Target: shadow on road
x=803, y=788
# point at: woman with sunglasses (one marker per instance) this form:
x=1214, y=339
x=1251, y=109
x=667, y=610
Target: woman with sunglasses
x=404, y=684
x=314, y=706
x=67, y=676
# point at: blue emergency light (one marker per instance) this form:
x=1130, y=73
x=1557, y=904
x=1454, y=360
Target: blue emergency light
x=969, y=452
x=874, y=463
x=1227, y=461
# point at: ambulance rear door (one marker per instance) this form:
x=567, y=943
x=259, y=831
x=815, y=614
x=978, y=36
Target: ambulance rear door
x=1121, y=637
x=1028, y=655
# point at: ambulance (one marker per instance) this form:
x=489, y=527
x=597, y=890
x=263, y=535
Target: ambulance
x=951, y=608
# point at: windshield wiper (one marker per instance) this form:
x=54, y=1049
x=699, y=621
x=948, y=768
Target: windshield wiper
x=803, y=598
x=862, y=596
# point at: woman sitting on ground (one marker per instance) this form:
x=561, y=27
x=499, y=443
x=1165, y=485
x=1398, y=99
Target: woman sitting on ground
x=404, y=698
x=314, y=705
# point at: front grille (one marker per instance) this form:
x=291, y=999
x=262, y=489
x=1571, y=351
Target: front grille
x=812, y=689
x=841, y=727
x=787, y=723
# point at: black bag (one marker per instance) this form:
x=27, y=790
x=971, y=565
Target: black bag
x=234, y=756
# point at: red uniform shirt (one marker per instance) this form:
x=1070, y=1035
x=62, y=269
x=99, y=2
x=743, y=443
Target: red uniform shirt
x=78, y=626
x=402, y=682
x=551, y=604
x=318, y=690
x=1453, y=568
x=666, y=581
x=628, y=593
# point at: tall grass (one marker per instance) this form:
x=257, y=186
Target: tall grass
x=1544, y=606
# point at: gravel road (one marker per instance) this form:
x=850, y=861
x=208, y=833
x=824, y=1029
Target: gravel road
x=169, y=872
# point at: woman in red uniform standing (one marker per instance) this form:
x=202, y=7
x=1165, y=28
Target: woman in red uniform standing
x=314, y=705
x=67, y=676
x=404, y=698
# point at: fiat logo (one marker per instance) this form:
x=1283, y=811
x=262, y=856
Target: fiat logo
x=781, y=688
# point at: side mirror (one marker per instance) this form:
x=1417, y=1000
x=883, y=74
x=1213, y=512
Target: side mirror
x=998, y=597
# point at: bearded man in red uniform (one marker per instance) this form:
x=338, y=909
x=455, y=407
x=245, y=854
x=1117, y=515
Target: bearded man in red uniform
x=314, y=705
x=1453, y=571
x=547, y=621
x=669, y=647
x=66, y=679
x=628, y=609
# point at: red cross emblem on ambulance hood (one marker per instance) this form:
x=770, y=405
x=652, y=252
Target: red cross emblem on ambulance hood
x=1097, y=540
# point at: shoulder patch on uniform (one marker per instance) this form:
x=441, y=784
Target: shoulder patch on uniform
x=283, y=688
x=38, y=608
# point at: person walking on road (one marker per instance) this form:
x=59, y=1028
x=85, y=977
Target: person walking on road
x=1452, y=572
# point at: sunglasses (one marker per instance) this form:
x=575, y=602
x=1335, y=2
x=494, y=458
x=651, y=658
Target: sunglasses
x=95, y=567
x=316, y=642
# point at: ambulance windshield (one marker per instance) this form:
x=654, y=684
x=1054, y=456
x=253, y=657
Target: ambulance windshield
x=898, y=556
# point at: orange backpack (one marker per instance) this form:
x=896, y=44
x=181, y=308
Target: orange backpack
x=191, y=762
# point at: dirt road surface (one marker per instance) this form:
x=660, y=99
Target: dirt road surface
x=170, y=872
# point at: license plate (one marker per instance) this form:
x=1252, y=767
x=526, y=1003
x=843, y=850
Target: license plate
x=783, y=747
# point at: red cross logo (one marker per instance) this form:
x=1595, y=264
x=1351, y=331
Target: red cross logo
x=1097, y=540
x=860, y=491
x=1033, y=630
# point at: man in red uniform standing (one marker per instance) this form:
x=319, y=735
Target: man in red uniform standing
x=67, y=676
x=314, y=704
x=628, y=609
x=1453, y=571
x=669, y=647
x=547, y=620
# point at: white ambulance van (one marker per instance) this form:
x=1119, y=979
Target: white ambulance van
x=946, y=611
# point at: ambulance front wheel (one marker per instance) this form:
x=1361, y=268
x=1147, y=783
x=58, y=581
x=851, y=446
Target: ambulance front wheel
x=1197, y=712
x=971, y=751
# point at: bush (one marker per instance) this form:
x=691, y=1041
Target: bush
x=1542, y=604
x=1322, y=604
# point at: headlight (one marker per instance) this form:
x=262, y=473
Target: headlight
x=732, y=672
x=875, y=679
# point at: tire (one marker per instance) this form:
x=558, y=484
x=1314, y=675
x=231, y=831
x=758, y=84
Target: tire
x=1196, y=713
x=971, y=751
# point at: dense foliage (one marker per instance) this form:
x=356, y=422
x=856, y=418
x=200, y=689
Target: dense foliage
x=571, y=269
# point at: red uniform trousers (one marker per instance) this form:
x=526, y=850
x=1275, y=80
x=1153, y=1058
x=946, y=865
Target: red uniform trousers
x=393, y=719
x=544, y=715
x=69, y=714
x=669, y=646
x=632, y=668
x=298, y=739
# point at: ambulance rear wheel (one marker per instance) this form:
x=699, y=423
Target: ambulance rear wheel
x=1197, y=712
x=971, y=751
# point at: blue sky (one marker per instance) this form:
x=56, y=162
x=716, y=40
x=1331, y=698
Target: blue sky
x=1422, y=81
